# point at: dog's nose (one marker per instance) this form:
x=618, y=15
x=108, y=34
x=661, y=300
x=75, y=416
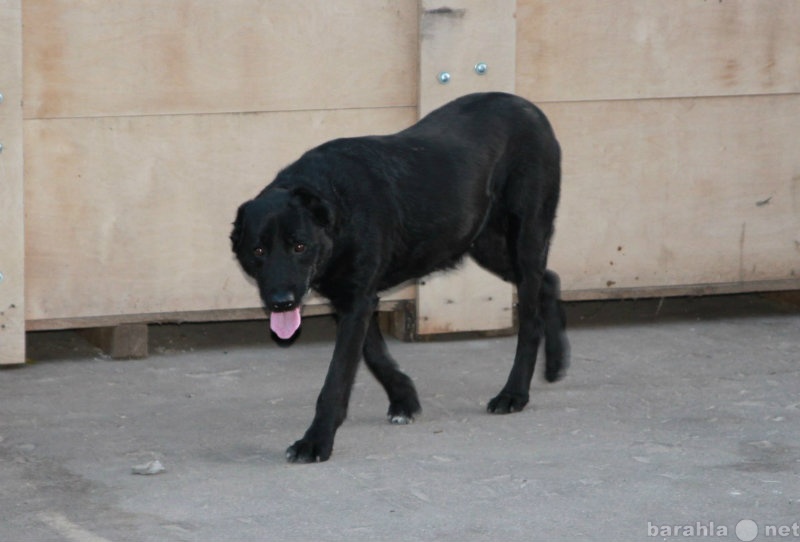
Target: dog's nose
x=282, y=301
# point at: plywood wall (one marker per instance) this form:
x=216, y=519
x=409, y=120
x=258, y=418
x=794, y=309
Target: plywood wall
x=574, y=50
x=12, y=228
x=664, y=193
x=679, y=124
x=148, y=123
x=150, y=57
x=135, y=212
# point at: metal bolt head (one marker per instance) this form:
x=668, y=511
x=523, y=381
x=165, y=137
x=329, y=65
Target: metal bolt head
x=444, y=78
x=1, y=97
x=1, y=147
x=481, y=68
x=1, y=277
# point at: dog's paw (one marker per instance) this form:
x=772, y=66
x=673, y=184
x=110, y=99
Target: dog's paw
x=403, y=412
x=552, y=375
x=555, y=370
x=557, y=360
x=401, y=420
x=506, y=403
x=308, y=451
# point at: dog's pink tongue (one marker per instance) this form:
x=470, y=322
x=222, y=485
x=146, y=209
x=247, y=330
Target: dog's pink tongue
x=285, y=324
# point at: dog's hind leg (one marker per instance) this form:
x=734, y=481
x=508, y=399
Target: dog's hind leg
x=556, y=346
x=496, y=250
x=527, y=248
x=515, y=394
x=403, y=400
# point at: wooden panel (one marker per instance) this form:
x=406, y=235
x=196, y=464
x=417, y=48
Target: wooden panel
x=454, y=37
x=12, y=253
x=117, y=57
x=678, y=192
x=390, y=302
x=579, y=50
x=672, y=290
x=131, y=215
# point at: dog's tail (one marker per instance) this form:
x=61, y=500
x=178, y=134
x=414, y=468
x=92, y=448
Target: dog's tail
x=556, y=345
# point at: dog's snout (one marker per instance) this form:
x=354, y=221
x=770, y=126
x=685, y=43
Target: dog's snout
x=282, y=301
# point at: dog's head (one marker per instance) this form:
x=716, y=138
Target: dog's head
x=283, y=239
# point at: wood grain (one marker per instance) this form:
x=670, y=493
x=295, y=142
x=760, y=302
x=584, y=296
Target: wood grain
x=693, y=191
x=640, y=49
x=131, y=215
x=454, y=39
x=12, y=226
x=150, y=57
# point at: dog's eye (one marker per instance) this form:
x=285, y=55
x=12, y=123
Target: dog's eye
x=299, y=247
x=258, y=251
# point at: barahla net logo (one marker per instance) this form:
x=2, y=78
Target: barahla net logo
x=746, y=530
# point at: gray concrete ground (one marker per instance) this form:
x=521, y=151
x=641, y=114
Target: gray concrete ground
x=676, y=422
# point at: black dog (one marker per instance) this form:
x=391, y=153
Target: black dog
x=352, y=217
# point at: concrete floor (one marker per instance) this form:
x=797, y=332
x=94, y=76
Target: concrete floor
x=677, y=421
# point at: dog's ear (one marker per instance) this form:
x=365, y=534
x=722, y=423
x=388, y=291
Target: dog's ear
x=238, y=226
x=323, y=212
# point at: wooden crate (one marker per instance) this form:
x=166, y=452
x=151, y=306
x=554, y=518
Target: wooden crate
x=142, y=125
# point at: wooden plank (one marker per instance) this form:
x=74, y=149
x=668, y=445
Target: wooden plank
x=693, y=290
x=148, y=57
x=132, y=215
x=786, y=297
x=254, y=313
x=663, y=193
x=629, y=49
x=12, y=247
x=127, y=341
x=455, y=37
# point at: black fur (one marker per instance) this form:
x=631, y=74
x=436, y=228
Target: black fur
x=352, y=217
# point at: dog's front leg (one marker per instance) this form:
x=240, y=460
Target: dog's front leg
x=317, y=443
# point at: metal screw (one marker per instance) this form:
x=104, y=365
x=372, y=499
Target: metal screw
x=1, y=97
x=481, y=68
x=1, y=277
x=444, y=78
x=1, y=147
